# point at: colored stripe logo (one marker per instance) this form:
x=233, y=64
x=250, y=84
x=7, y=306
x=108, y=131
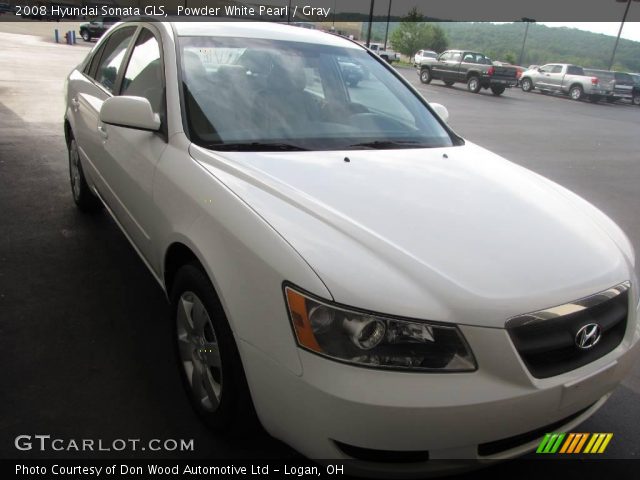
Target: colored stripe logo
x=574, y=443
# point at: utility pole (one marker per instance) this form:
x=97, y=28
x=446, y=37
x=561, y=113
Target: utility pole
x=289, y=12
x=334, y=15
x=624, y=18
x=386, y=34
x=370, y=24
x=526, y=31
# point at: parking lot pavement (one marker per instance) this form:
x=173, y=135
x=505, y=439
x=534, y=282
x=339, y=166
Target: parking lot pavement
x=85, y=342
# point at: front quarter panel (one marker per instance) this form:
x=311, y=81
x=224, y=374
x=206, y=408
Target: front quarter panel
x=246, y=259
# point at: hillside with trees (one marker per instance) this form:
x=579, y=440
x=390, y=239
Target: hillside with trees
x=544, y=44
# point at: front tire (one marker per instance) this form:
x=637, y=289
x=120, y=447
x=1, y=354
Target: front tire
x=211, y=367
x=86, y=36
x=576, y=93
x=425, y=75
x=84, y=198
x=636, y=100
x=497, y=91
x=473, y=84
x=526, y=85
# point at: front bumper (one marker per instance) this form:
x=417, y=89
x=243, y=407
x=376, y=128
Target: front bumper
x=448, y=415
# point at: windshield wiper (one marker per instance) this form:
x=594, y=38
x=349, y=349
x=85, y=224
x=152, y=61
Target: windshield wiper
x=388, y=144
x=256, y=147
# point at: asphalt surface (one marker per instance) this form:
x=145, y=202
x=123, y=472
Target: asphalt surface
x=85, y=341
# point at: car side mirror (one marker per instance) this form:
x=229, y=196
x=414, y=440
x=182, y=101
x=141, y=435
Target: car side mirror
x=130, y=112
x=441, y=110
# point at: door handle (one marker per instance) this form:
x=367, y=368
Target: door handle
x=103, y=131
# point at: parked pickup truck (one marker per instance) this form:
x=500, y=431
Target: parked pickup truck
x=474, y=69
x=388, y=54
x=620, y=83
x=566, y=79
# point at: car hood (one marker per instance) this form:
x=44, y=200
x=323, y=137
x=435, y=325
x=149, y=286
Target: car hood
x=456, y=234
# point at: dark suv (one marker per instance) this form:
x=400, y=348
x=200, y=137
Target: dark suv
x=96, y=27
x=636, y=88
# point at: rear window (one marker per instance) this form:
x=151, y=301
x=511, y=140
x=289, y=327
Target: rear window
x=573, y=70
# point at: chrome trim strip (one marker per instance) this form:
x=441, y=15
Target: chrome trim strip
x=568, y=308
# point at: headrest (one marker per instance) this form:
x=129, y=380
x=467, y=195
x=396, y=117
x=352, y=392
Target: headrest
x=194, y=70
x=291, y=78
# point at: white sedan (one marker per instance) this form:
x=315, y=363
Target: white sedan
x=338, y=260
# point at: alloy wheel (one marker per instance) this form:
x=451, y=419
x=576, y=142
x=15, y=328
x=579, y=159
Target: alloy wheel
x=199, y=351
x=576, y=93
x=74, y=167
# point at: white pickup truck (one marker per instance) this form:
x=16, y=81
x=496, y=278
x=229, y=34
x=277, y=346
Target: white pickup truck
x=566, y=79
x=388, y=54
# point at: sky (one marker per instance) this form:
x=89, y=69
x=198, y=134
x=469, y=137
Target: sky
x=630, y=31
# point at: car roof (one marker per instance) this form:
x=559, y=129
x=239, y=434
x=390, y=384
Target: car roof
x=262, y=30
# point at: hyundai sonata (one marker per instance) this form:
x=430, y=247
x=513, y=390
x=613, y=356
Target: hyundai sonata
x=338, y=260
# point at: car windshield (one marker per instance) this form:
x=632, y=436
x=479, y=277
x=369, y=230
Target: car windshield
x=256, y=94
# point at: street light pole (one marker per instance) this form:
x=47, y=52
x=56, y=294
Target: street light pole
x=386, y=33
x=526, y=31
x=624, y=18
x=334, y=14
x=370, y=24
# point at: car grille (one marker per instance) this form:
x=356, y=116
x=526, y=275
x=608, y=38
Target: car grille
x=548, y=342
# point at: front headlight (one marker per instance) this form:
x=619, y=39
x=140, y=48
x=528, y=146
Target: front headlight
x=373, y=340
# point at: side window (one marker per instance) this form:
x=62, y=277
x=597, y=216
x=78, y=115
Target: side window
x=456, y=57
x=93, y=61
x=556, y=69
x=111, y=61
x=143, y=76
x=546, y=68
x=469, y=58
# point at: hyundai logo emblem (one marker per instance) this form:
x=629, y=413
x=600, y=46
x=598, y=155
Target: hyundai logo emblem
x=588, y=336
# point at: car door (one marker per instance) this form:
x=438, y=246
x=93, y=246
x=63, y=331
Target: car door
x=454, y=67
x=542, y=77
x=95, y=28
x=554, y=77
x=130, y=156
x=87, y=93
x=439, y=67
x=469, y=62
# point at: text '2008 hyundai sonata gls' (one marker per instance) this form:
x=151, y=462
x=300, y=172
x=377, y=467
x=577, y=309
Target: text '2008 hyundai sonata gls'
x=336, y=257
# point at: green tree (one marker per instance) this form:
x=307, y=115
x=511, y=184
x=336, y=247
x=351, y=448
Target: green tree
x=510, y=58
x=413, y=34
